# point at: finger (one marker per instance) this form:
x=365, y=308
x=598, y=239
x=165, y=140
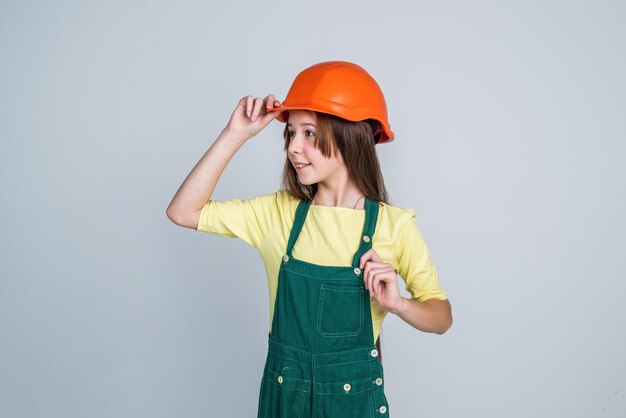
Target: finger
x=390, y=278
x=258, y=104
x=376, y=282
x=373, y=283
x=366, y=280
x=364, y=258
x=385, y=275
x=269, y=101
x=372, y=278
x=376, y=277
x=366, y=277
x=368, y=267
x=249, y=102
x=271, y=115
x=369, y=255
x=375, y=264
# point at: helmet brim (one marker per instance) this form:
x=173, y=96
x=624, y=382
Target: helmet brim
x=386, y=136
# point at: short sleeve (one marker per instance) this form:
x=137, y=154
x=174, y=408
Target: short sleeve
x=415, y=266
x=250, y=220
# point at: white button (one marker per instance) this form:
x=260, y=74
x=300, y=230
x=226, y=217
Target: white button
x=379, y=381
x=347, y=387
x=366, y=238
x=382, y=409
x=374, y=353
x=285, y=258
x=280, y=379
x=357, y=271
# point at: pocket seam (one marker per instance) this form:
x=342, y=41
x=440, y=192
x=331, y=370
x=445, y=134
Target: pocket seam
x=352, y=333
x=300, y=385
x=322, y=396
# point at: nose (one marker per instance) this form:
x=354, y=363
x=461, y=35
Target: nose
x=295, y=144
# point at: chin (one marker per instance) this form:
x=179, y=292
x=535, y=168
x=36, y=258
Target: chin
x=306, y=180
x=307, y=183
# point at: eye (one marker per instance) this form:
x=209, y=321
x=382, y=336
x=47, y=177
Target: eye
x=310, y=132
x=290, y=134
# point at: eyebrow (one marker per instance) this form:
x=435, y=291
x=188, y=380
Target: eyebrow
x=304, y=124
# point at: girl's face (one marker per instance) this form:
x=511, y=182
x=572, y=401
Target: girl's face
x=302, y=131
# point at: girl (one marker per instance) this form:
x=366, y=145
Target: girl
x=331, y=243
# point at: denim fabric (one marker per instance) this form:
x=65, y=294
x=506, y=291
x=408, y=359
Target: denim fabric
x=321, y=360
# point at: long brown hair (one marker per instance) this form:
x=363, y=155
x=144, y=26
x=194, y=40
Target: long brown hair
x=355, y=142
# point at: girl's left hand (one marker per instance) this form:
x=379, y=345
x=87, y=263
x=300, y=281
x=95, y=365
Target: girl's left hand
x=381, y=279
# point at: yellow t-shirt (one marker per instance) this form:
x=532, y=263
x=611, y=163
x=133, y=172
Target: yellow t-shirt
x=330, y=236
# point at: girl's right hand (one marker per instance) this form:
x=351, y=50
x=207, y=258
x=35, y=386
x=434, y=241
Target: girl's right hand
x=251, y=116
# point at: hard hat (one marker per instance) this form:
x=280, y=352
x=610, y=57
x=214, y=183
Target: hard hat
x=342, y=89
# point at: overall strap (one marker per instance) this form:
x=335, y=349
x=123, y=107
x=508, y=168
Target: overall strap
x=369, y=226
x=301, y=211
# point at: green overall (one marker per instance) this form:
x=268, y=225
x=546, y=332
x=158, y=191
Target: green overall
x=321, y=360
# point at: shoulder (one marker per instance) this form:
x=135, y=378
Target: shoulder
x=277, y=201
x=280, y=202
x=397, y=216
x=279, y=197
x=401, y=225
x=286, y=199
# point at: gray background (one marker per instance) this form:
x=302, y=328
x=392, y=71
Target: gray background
x=510, y=129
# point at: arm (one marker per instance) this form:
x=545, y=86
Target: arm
x=433, y=315
x=248, y=118
x=381, y=280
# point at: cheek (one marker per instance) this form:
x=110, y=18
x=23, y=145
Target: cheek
x=315, y=155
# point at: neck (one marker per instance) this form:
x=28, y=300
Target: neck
x=347, y=197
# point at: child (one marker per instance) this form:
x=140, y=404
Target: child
x=331, y=243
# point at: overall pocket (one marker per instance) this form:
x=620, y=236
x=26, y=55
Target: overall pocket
x=349, y=399
x=340, y=310
x=284, y=396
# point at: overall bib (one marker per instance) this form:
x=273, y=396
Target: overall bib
x=321, y=360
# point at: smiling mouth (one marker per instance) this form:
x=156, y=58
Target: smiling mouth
x=301, y=166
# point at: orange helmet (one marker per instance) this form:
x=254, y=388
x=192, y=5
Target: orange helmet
x=342, y=89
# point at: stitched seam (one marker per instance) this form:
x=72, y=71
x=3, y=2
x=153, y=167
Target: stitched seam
x=292, y=348
x=342, y=334
x=372, y=406
x=301, y=405
x=340, y=393
x=347, y=279
x=319, y=406
x=320, y=313
x=343, y=363
x=282, y=387
x=292, y=379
